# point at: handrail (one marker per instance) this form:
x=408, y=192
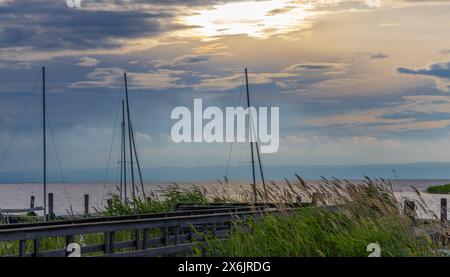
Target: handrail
x=122, y=217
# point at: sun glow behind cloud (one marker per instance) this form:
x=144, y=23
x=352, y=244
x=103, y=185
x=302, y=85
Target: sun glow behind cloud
x=256, y=19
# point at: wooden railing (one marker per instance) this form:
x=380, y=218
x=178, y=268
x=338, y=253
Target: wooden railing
x=145, y=235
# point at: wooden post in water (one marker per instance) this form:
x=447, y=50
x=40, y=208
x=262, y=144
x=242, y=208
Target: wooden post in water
x=50, y=205
x=32, y=202
x=86, y=204
x=443, y=210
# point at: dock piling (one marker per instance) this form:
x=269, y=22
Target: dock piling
x=443, y=210
x=32, y=202
x=50, y=205
x=86, y=204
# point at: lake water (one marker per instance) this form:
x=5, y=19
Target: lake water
x=17, y=196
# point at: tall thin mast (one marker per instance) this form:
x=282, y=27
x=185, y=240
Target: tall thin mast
x=121, y=152
x=124, y=153
x=129, y=135
x=255, y=194
x=44, y=135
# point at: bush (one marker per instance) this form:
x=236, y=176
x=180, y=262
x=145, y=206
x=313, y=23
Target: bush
x=442, y=189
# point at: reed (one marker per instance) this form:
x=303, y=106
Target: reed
x=154, y=203
x=346, y=219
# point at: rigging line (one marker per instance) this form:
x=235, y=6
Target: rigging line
x=59, y=163
x=137, y=163
x=19, y=122
x=231, y=145
x=259, y=156
x=119, y=168
x=242, y=145
x=112, y=141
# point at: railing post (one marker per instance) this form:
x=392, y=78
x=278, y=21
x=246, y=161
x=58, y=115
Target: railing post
x=214, y=228
x=177, y=234
x=109, y=242
x=146, y=241
x=443, y=210
x=138, y=241
x=70, y=239
x=166, y=235
x=36, y=248
x=86, y=204
x=191, y=233
x=50, y=205
x=22, y=248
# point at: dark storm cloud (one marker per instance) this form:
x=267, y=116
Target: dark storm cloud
x=50, y=25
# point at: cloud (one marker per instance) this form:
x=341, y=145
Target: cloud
x=236, y=80
x=317, y=66
x=378, y=56
x=160, y=79
x=88, y=62
x=42, y=26
x=112, y=77
x=412, y=114
x=101, y=77
x=183, y=60
x=280, y=10
x=209, y=48
x=439, y=72
x=143, y=136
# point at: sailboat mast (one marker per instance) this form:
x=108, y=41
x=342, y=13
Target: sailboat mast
x=121, y=153
x=44, y=135
x=255, y=194
x=124, y=153
x=129, y=135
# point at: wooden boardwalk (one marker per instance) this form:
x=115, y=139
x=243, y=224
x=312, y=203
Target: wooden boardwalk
x=161, y=234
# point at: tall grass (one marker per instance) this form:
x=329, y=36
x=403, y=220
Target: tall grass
x=360, y=214
x=154, y=203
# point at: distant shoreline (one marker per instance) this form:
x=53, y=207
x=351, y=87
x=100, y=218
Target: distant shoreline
x=407, y=171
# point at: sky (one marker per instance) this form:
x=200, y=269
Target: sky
x=357, y=82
